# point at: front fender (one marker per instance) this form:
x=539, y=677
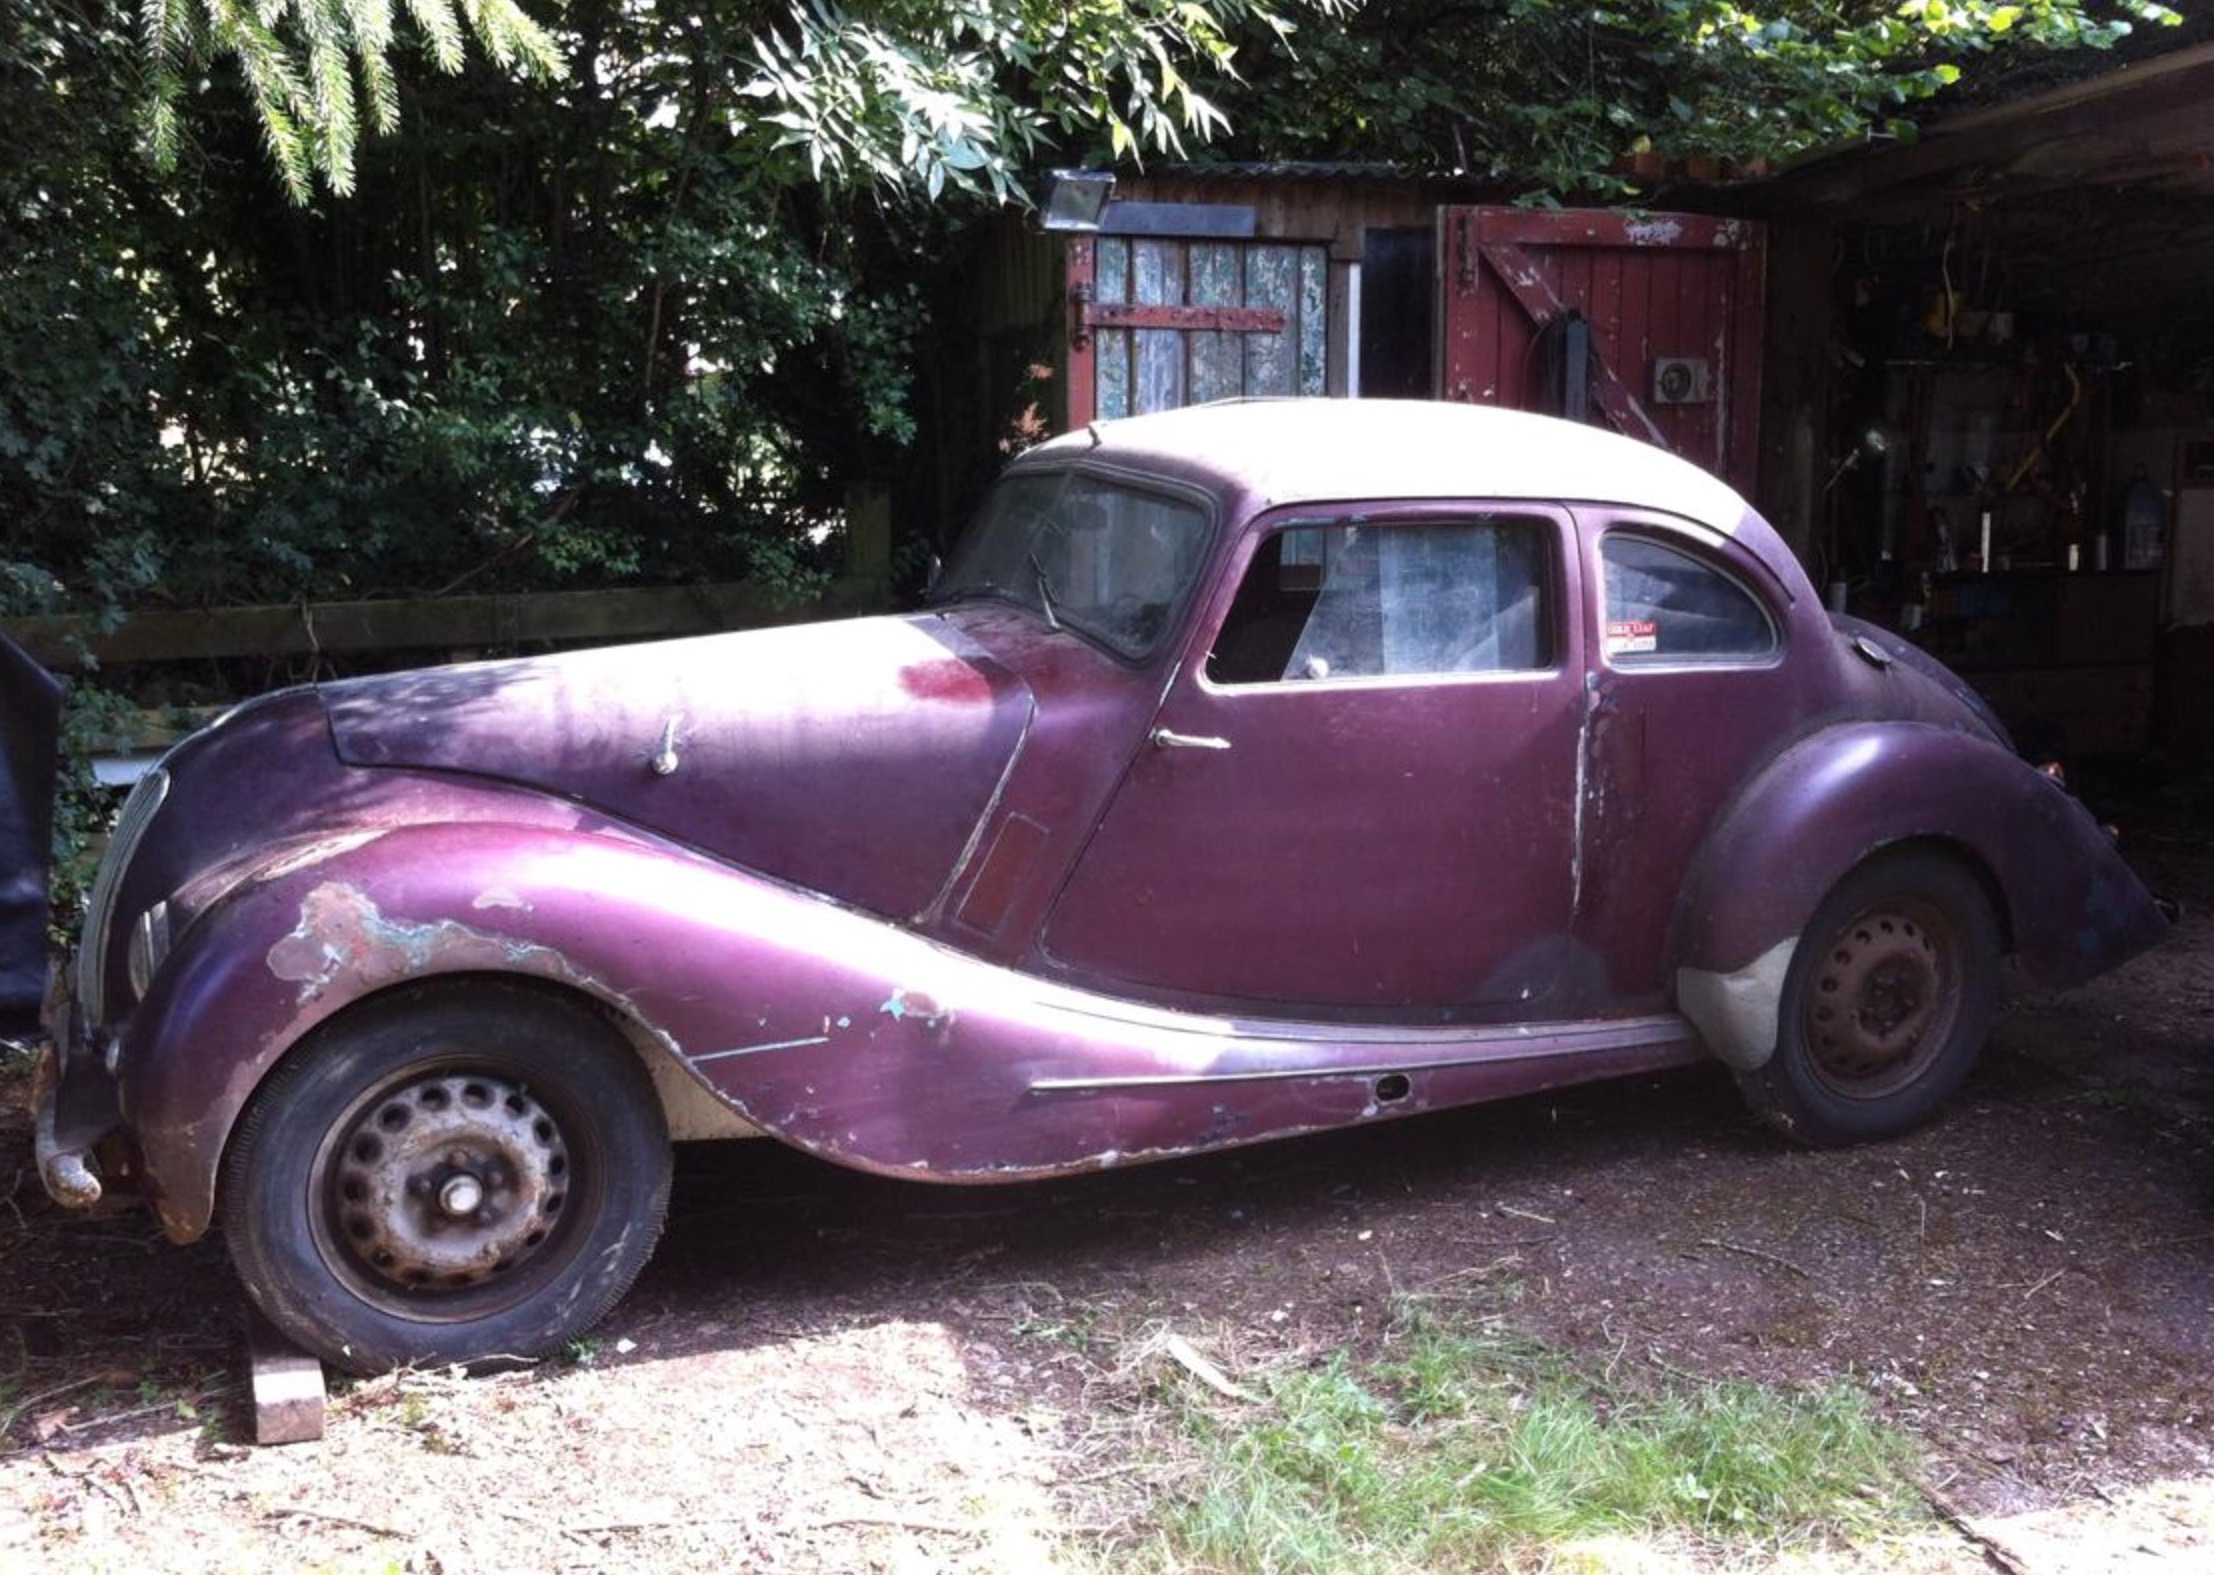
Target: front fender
x=717, y=966
x=326, y=926
x=2068, y=904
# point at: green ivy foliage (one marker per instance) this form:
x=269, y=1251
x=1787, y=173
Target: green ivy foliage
x=1548, y=99
x=569, y=330
x=632, y=290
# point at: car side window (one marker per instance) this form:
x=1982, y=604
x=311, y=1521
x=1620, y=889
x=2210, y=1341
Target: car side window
x=1666, y=607
x=1366, y=600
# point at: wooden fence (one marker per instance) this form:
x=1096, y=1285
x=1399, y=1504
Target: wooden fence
x=440, y=629
x=443, y=624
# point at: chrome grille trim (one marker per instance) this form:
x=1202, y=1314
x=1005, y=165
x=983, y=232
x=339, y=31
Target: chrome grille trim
x=92, y=954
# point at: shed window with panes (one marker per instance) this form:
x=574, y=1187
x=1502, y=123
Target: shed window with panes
x=1273, y=333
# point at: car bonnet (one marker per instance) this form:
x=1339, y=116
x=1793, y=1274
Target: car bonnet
x=850, y=758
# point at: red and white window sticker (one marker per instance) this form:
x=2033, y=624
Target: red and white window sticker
x=1632, y=636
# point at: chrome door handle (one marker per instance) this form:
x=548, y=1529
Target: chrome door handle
x=1164, y=739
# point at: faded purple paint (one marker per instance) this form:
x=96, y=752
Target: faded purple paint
x=794, y=752
x=1350, y=806
x=1823, y=805
x=919, y=897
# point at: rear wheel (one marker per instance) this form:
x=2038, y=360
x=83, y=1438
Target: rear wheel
x=447, y=1178
x=1888, y=1000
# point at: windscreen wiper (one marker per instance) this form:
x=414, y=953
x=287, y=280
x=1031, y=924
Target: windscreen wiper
x=1046, y=598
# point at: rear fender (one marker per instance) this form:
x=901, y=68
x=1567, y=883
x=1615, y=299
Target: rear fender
x=2066, y=902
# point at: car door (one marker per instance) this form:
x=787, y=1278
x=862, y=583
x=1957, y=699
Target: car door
x=1360, y=788
x=1691, y=689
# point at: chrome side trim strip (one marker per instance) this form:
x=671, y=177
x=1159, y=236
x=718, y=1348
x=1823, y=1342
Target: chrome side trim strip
x=1541, y=1042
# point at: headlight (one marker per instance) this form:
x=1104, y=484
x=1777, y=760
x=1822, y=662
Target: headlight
x=149, y=947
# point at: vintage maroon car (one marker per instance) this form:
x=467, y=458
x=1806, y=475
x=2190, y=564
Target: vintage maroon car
x=1255, y=769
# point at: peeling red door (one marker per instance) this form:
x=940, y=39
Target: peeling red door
x=1670, y=305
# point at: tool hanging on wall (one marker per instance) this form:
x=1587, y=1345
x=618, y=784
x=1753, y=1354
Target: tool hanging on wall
x=1945, y=306
x=2045, y=440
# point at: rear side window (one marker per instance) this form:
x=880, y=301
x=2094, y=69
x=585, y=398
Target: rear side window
x=1323, y=602
x=1666, y=607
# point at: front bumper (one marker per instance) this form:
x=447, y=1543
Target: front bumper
x=75, y=1109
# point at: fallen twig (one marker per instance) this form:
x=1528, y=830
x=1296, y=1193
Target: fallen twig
x=537, y=1524
x=120, y=1489
x=682, y=1522
x=2041, y=1284
x=110, y=1419
x=15, y=1185
x=1672, y=1370
x=289, y=1511
x=1754, y=1253
x=23, y=1406
x=900, y=1523
x=1119, y=1469
x=1182, y=1352
x=1454, y=1281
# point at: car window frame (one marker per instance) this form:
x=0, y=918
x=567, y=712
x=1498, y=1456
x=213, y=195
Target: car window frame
x=1175, y=627
x=1556, y=520
x=1711, y=549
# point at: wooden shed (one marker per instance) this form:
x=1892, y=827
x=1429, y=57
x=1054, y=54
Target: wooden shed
x=1356, y=281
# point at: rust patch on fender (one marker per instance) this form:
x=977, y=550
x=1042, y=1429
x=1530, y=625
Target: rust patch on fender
x=343, y=937
x=904, y=1005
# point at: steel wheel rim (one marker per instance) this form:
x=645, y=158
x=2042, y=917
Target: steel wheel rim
x=1883, y=998
x=451, y=1192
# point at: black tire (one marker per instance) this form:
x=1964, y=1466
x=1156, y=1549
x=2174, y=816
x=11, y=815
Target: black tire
x=449, y=1176
x=1886, y=1005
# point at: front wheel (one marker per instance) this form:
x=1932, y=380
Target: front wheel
x=447, y=1178
x=1886, y=1004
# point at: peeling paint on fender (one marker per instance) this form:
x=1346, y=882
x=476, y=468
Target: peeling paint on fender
x=342, y=936
x=925, y=1011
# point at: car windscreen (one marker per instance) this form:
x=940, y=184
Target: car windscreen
x=1109, y=560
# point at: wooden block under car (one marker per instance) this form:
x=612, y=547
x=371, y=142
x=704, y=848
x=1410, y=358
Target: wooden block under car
x=287, y=1385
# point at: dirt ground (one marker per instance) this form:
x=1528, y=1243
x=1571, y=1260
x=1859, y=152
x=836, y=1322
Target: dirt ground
x=824, y=1371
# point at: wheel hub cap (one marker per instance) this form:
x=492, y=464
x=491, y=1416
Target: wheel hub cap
x=448, y=1180
x=1875, y=999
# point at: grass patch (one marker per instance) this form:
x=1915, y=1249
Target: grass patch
x=1468, y=1449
